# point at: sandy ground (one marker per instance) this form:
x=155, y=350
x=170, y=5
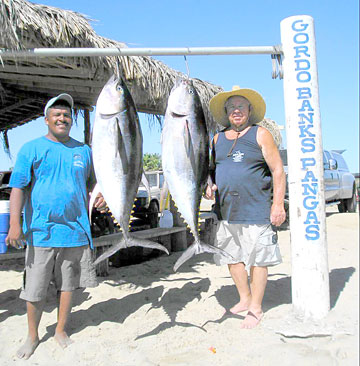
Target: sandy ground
x=146, y=314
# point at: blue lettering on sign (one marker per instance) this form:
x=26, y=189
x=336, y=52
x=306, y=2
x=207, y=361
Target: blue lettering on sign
x=312, y=232
x=306, y=105
x=301, y=50
x=304, y=93
x=306, y=118
x=310, y=188
x=309, y=177
x=311, y=218
x=310, y=202
x=304, y=129
x=299, y=27
x=308, y=145
x=302, y=67
x=306, y=162
x=303, y=77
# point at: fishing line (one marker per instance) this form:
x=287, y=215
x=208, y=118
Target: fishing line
x=187, y=67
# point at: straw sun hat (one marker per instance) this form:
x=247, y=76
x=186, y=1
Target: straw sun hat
x=217, y=105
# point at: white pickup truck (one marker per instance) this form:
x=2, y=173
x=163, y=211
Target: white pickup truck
x=148, y=208
x=340, y=185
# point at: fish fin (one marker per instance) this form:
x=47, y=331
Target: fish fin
x=135, y=242
x=198, y=248
x=189, y=146
x=146, y=184
x=121, y=148
x=94, y=193
x=112, y=250
x=164, y=197
x=187, y=138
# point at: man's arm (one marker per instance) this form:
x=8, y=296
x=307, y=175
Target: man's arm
x=99, y=202
x=272, y=157
x=211, y=186
x=15, y=236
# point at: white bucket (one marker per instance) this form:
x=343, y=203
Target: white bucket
x=166, y=219
x=5, y=206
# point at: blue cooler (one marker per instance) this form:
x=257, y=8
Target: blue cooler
x=4, y=224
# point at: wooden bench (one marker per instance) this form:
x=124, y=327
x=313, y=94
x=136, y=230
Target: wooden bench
x=173, y=239
x=12, y=254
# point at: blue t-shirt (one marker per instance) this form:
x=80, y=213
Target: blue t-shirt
x=54, y=177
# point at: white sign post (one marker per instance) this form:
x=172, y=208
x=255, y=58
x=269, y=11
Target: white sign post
x=310, y=274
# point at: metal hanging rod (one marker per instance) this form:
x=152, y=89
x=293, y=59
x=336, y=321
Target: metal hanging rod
x=86, y=52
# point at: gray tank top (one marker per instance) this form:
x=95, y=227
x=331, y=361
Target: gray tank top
x=243, y=180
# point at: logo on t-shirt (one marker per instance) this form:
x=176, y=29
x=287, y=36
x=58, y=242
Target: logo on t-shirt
x=77, y=161
x=238, y=156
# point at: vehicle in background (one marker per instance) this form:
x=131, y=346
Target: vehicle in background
x=148, y=208
x=4, y=185
x=339, y=183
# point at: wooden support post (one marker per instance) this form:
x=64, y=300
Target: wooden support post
x=87, y=127
x=178, y=242
x=102, y=269
x=165, y=240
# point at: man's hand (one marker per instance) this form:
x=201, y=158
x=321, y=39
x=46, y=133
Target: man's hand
x=210, y=191
x=100, y=203
x=277, y=214
x=15, y=237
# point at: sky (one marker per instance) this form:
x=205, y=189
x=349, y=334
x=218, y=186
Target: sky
x=229, y=23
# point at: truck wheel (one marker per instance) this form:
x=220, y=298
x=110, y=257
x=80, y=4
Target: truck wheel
x=153, y=215
x=342, y=206
x=351, y=203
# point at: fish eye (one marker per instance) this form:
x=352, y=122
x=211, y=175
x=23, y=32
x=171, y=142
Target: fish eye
x=191, y=91
x=119, y=88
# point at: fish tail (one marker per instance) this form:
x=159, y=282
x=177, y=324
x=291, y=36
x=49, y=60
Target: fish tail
x=112, y=250
x=189, y=252
x=199, y=247
x=135, y=242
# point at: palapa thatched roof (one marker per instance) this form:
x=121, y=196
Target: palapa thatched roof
x=25, y=84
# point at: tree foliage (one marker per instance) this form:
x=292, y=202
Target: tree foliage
x=152, y=162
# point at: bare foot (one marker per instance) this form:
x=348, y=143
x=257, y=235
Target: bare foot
x=28, y=348
x=251, y=320
x=63, y=339
x=239, y=308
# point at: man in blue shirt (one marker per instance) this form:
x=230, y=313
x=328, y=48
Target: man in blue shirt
x=51, y=181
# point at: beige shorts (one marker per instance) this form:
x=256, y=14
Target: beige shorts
x=88, y=270
x=253, y=245
x=63, y=266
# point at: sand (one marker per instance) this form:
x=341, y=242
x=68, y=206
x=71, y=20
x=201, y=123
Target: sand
x=146, y=314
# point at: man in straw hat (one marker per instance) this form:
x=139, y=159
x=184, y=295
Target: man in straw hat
x=51, y=179
x=246, y=169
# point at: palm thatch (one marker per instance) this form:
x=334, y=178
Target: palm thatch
x=26, y=84
x=25, y=25
x=273, y=128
